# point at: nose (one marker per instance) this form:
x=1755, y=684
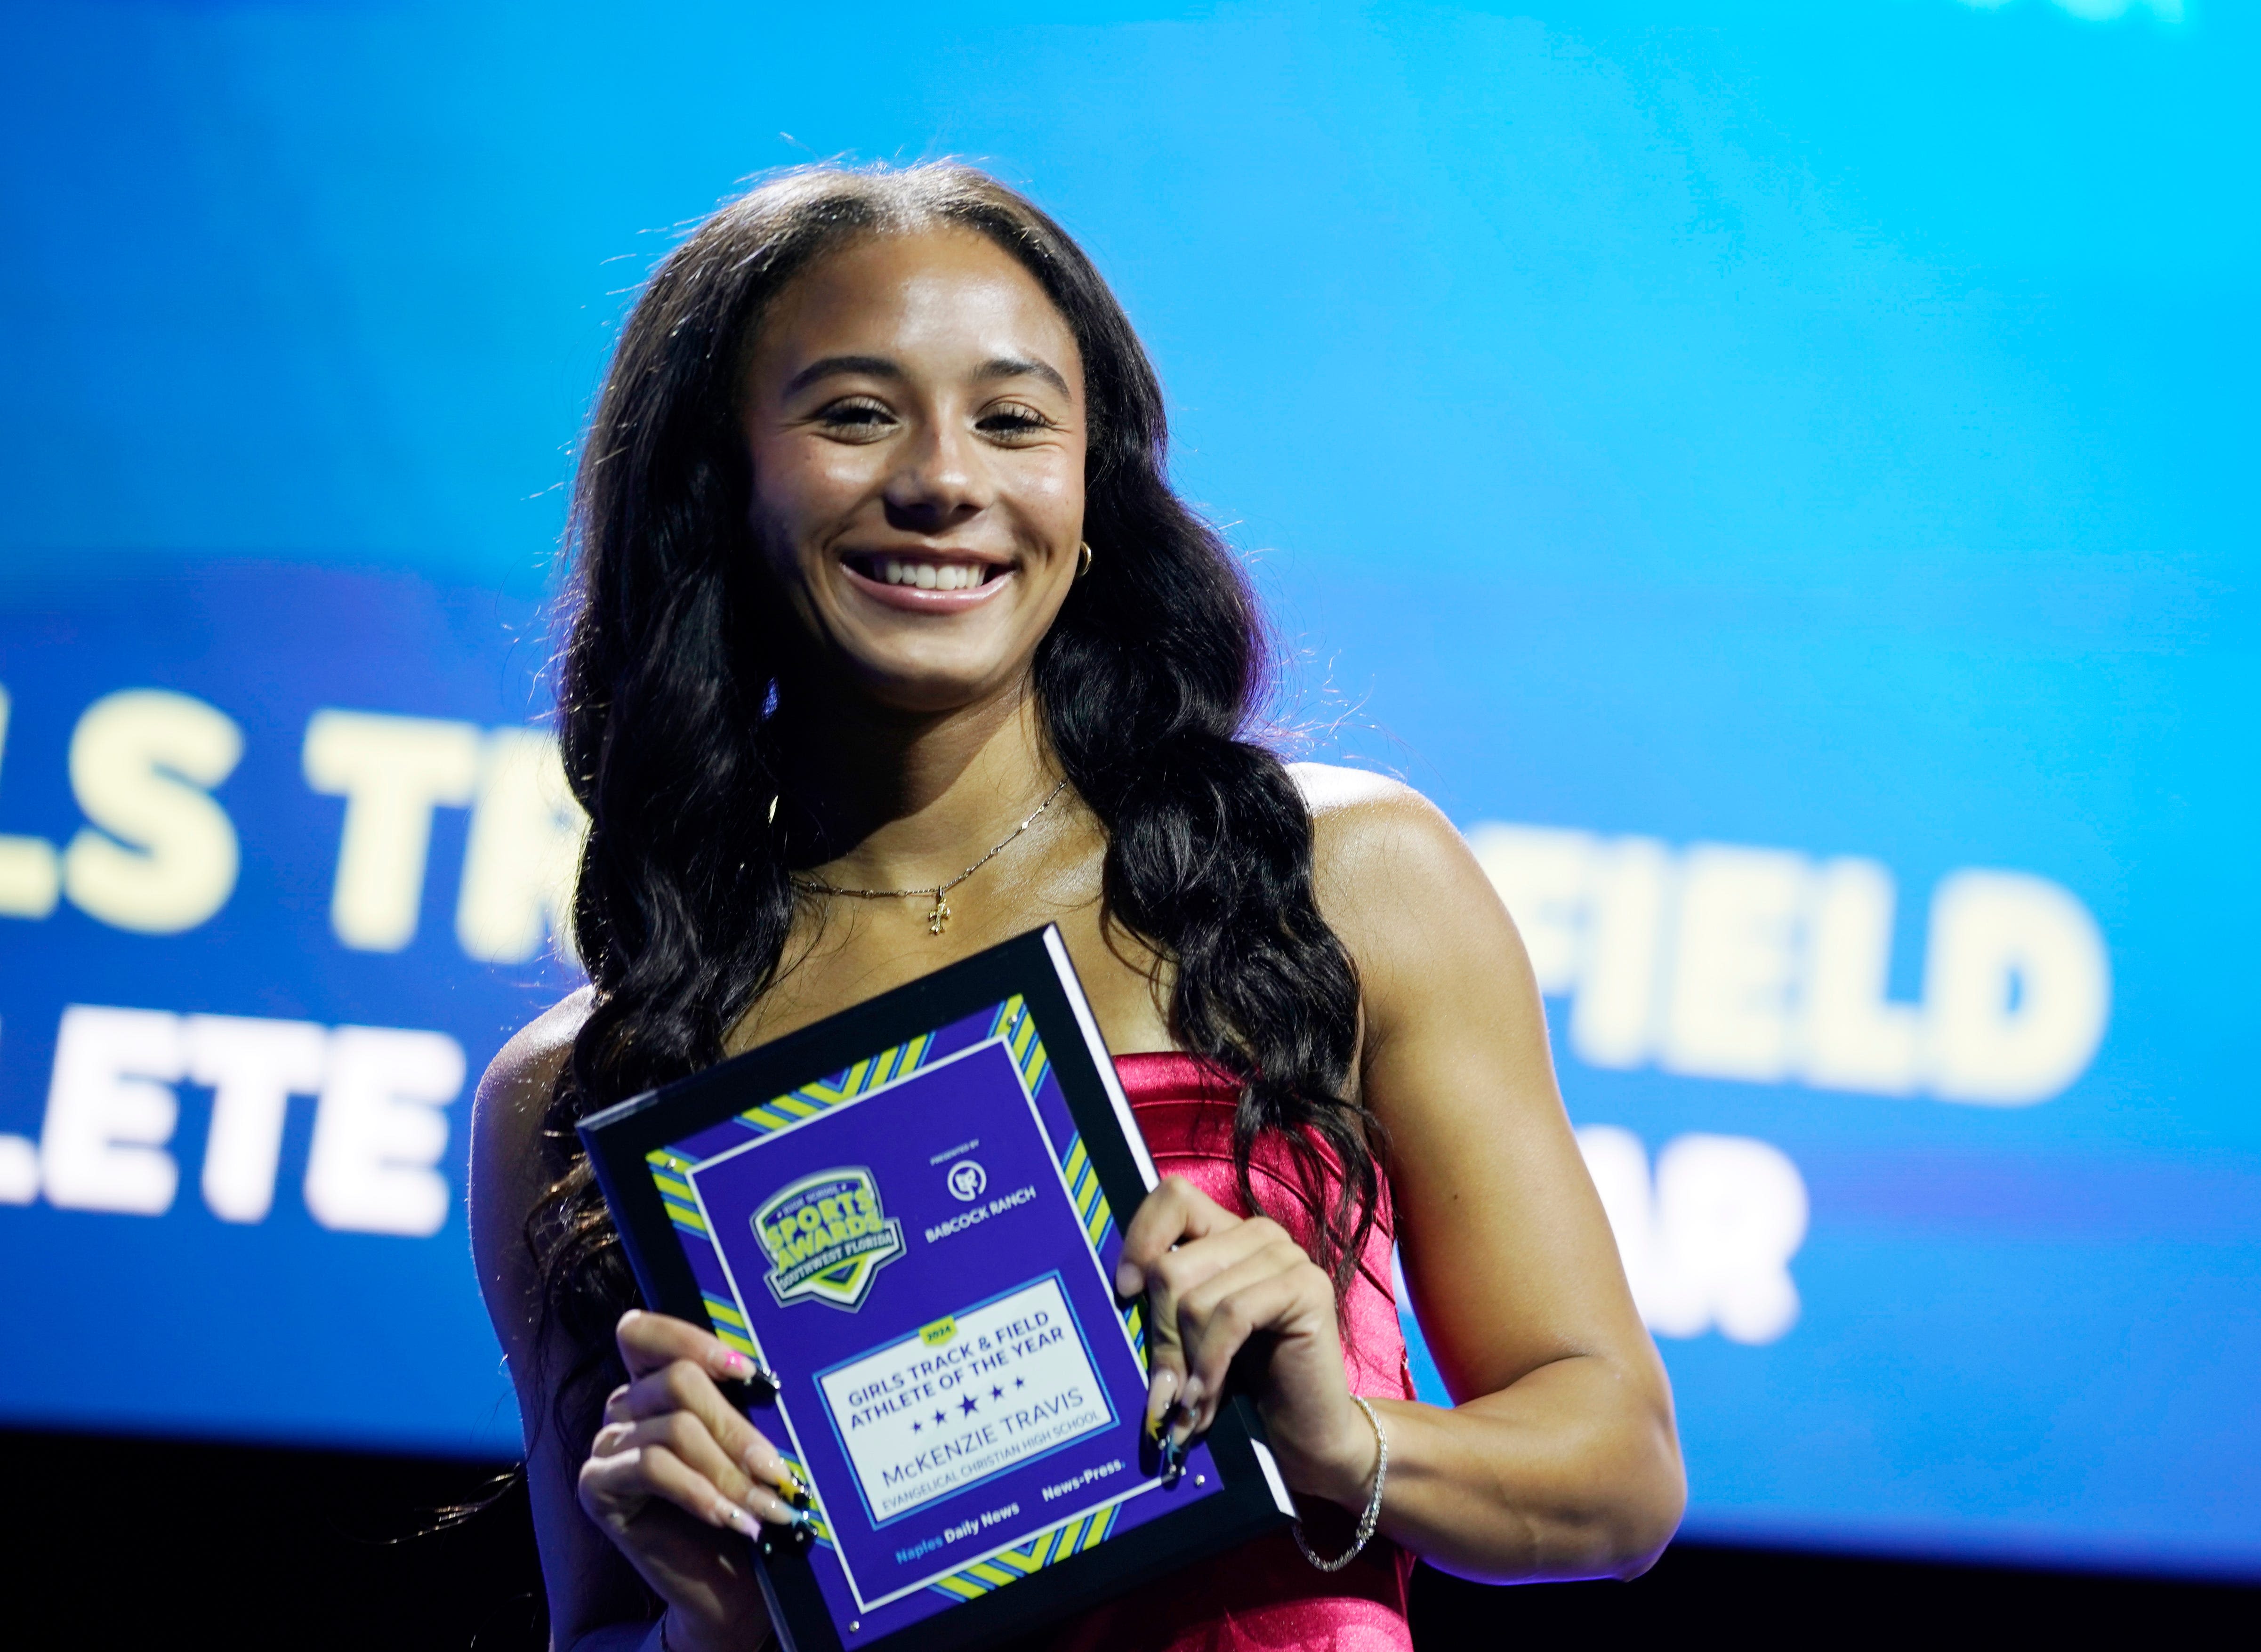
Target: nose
x=941, y=480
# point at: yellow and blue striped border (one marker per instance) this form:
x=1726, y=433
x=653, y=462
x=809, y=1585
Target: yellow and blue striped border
x=670, y=1165
x=730, y=1328
x=862, y=1078
x=669, y=1171
x=1083, y=1189
x=1018, y=1027
x=1070, y=1537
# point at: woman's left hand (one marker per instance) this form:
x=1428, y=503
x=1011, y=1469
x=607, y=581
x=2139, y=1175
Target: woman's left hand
x=1213, y=1281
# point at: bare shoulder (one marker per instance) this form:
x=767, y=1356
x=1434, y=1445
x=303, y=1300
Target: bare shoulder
x=516, y=1088
x=1366, y=825
x=1399, y=884
x=1330, y=789
x=508, y=1164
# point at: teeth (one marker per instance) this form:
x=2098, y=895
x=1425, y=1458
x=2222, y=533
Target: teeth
x=926, y=576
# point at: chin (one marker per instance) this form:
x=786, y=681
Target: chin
x=920, y=668
x=927, y=688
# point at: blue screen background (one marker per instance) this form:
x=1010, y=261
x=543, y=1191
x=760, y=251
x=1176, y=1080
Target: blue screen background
x=1817, y=429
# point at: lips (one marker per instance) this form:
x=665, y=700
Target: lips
x=925, y=583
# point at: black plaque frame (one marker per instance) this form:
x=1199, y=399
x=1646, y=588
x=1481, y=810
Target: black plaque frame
x=1253, y=1499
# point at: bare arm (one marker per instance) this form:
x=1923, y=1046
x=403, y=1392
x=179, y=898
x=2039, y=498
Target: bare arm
x=1560, y=1459
x=662, y=1502
x=588, y=1584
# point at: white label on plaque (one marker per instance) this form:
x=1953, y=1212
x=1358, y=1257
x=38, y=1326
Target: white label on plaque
x=966, y=1397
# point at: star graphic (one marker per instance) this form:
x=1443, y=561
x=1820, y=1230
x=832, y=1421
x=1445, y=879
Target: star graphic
x=916, y=1427
x=938, y=1417
x=969, y=1405
x=1020, y=1381
x=996, y=1393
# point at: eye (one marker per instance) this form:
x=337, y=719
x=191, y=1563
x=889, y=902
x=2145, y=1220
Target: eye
x=854, y=416
x=1012, y=421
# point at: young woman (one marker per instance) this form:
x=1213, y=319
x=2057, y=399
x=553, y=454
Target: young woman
x=892, y=641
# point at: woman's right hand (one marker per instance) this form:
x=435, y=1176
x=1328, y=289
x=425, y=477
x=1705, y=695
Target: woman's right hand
x=677, y=1479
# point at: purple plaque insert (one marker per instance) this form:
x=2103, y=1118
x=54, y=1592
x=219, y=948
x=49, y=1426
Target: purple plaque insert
x=920, y=1246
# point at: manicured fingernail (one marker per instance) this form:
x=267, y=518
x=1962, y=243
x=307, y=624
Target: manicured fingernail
x=750, y=1370
x=746, y=1382
x=740, y=1521
x=1126, y=1280
x=1173, y=1462
x=1159, y=1394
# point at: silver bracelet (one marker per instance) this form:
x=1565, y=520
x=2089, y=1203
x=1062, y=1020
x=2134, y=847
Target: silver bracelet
x=1372, y=1517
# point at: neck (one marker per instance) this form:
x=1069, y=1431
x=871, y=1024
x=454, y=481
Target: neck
x=883, y=798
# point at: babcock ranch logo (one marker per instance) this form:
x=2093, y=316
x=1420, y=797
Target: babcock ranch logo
x=827, y=1238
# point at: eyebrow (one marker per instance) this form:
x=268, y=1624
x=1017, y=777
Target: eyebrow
x=1017, y=367
x=830, y=366
x=880, y=367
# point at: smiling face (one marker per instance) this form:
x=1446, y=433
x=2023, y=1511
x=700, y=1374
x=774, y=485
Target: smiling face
x=914, y=407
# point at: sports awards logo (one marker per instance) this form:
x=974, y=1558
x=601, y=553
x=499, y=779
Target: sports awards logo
x=827, y=1238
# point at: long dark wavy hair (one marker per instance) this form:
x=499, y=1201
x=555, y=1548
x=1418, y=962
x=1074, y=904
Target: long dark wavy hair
x=673, y=674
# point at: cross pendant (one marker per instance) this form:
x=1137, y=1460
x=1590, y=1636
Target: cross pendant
x=937, y=920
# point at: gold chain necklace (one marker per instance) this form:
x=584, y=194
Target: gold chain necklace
x=939, y=917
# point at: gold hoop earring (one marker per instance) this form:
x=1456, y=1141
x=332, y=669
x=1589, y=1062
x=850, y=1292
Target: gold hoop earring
x=1082, y=558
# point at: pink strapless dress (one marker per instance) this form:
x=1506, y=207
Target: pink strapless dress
x=1264, y=1596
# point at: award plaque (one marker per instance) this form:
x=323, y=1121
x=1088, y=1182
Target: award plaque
x=911, y=1212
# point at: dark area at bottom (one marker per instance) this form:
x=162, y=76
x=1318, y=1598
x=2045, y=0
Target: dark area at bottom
x=113, y=1542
